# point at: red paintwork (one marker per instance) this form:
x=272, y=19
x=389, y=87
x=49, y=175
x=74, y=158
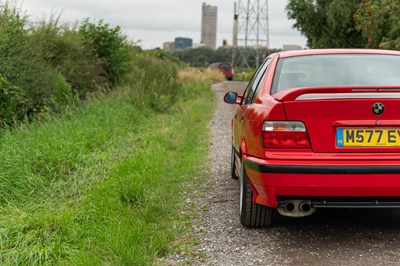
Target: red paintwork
x=335, y=51
x=270, y=185
x=321, y=118
x=225, y=68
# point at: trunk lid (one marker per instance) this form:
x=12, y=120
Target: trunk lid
x=347, y=119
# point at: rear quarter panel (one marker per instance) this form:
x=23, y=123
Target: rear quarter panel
x=256, y=114
x=264, y=107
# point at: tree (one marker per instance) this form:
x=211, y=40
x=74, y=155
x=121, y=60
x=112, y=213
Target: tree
x=326, y=23
x=379, y=22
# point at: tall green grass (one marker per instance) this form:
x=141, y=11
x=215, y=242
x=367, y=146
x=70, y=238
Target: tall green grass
x=102, y=184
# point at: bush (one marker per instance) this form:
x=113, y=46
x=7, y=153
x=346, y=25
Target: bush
x=63, y=95
x=22, y=67
x=63, y=48
x=110, y=45
x=50, y=63
x=46, y=66
x=12, y=103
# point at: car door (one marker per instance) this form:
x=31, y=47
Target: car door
x=247, y=99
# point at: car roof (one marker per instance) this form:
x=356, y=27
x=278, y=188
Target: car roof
x=285, y=54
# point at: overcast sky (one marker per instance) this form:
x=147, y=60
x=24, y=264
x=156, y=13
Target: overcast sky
x=156, y=21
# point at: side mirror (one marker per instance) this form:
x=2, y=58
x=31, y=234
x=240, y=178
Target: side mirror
x=232, y=98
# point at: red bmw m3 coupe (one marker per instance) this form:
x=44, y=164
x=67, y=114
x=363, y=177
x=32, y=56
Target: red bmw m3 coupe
x=318, y=129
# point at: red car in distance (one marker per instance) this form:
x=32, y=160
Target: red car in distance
x=225, y=68
x=318, y=129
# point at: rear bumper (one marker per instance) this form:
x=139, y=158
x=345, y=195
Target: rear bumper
x=344, y=185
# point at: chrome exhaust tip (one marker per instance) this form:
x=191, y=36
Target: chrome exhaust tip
x=289, y=206
x=305, y=207
x=296, y=208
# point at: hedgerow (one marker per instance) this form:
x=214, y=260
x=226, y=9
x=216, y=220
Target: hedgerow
x=63, y=48
x=47, y=66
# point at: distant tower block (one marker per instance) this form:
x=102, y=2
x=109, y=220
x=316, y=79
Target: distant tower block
x=209, y=25
x=235, y=26
x=251, y=31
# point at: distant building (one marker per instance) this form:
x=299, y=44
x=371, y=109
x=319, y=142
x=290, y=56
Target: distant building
x=182, y=43
x=198, y=45
x=291, y=47
x=209, y=25
x=169, y=46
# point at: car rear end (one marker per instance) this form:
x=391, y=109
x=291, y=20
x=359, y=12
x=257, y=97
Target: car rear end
x=227, y=69
x=337, y=142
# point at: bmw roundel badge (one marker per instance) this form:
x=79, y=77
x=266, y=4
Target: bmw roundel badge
x=378, y=108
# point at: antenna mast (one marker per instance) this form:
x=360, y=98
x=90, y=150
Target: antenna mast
x=250, y=32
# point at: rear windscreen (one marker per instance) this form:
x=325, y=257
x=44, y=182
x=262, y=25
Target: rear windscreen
x=336, y=70
x=225, y=66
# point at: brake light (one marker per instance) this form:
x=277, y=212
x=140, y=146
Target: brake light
x=285, y=134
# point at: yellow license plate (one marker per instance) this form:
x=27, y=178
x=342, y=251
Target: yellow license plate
x=368, y=137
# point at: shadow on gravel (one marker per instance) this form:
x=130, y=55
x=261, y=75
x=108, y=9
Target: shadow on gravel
x=346, y=218
x=340, y=237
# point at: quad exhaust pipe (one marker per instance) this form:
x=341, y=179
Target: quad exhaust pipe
x=296, y=208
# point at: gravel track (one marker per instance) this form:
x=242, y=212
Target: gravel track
x=330, y=237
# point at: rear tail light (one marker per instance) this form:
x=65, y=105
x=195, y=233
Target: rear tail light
x=285, y=134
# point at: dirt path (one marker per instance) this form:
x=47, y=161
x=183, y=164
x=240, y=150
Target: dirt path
x=332, y=237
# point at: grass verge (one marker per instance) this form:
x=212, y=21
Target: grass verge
x=101, y=185
x=243, y=74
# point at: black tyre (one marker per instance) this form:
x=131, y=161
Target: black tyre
x=251, y=214
x=233, y=164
